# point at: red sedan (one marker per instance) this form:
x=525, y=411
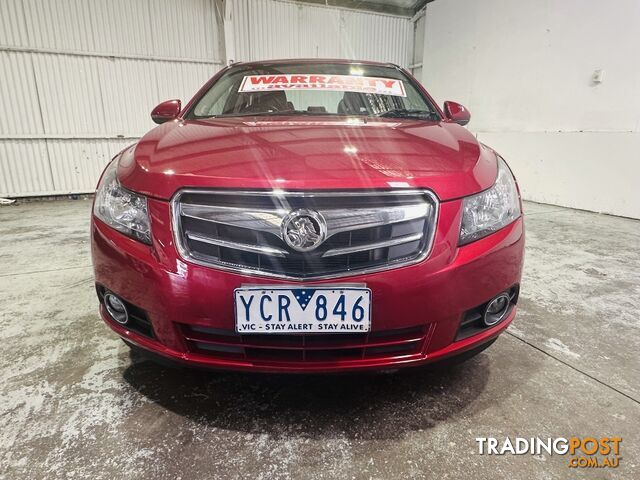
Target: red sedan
x=308, y=216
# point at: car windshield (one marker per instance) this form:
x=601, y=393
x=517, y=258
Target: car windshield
x=314, y=89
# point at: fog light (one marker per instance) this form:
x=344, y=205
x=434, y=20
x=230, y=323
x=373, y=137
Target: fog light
x=496, y=310
x=116, y=308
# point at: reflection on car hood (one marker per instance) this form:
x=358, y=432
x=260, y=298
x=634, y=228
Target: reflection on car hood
x=293, y=153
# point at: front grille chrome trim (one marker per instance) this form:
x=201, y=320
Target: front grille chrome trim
x=334, y=252
x=338, y=219
x=343, y=220
x=276, y=252
x=268, y=222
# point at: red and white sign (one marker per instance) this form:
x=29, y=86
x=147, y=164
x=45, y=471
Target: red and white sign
x=335, y=83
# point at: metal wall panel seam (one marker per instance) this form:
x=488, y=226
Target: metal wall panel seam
x=54, y=136
x=118, y=56
x=336, y=7
x=35, y=81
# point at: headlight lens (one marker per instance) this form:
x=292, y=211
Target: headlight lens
x=121, y=209
x=488, y=211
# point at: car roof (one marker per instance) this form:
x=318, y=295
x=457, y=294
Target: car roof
x=340, y=61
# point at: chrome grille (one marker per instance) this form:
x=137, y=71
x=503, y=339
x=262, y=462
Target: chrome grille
x=365, y=230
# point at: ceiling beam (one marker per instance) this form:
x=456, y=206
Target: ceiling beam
x=365, y=5
x=419, y=5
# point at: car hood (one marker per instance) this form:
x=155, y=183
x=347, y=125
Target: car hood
x=308, y=153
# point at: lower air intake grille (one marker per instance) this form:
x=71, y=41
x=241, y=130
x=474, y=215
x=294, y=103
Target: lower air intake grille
x=273, y=349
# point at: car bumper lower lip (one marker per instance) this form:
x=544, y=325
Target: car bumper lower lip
x=452, y=350
x=431, y=297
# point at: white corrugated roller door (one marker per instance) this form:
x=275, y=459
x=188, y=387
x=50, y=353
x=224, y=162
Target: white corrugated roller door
x=79, y=78
x=265, y=29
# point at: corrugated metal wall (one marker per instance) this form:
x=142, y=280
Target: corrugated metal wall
x=79, y=78
x=419, y=26
x=264, y=29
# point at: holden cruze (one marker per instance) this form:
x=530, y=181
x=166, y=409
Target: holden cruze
x=314, y=215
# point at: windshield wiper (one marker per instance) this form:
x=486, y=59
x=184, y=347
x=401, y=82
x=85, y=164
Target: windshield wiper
x=268, y=114
x=407, y=113
x=296, y=112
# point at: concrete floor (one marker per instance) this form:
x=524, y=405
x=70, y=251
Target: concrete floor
x=75, y=403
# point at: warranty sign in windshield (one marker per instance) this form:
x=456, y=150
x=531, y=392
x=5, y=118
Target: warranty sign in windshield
x=339, y=83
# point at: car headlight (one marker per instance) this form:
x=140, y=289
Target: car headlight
x=488, y=211
x=121, y=209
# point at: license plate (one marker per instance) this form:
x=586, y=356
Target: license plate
x=286, y=310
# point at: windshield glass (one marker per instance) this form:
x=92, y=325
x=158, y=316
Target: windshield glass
x=313, y=89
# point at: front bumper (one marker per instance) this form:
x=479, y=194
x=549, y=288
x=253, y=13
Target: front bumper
x=416, y=310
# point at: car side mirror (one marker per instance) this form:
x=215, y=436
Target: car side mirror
x=166, y=111
x=456, y=113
